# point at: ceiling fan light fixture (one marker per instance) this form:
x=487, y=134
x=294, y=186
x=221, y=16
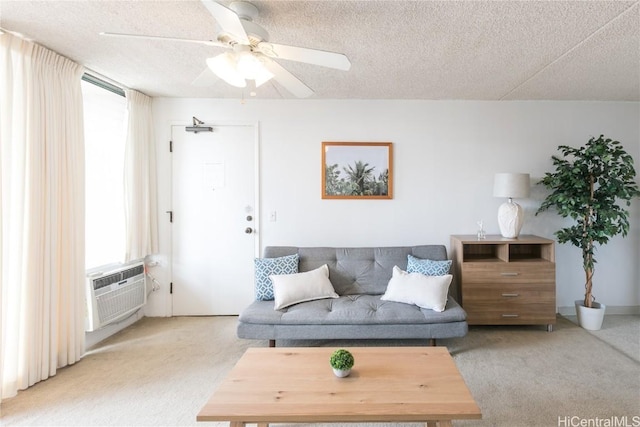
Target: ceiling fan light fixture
x=262, y=74
x=249, y=65
x=224, y=66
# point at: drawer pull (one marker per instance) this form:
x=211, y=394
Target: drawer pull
x=510, y=295
x=511, y=316
x=509, y=274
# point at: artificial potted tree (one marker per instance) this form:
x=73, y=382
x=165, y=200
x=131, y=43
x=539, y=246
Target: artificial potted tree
x=589, y=185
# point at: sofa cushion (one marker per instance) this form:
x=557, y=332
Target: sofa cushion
x=415, y=288
x=289, y=289
x=265, y=267
x=428, y=267
x=350, y=310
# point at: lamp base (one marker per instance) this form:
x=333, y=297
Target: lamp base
x=510, y=219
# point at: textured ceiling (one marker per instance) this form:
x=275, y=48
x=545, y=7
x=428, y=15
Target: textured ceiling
x=475, y=50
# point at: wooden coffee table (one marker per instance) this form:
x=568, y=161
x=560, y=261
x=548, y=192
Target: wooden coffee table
x=297, y=385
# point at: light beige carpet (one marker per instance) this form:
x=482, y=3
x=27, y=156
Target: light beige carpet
x=160, y=371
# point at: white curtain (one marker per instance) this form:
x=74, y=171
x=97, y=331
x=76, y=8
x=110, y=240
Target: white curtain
x=141, y=222
x=41, y=215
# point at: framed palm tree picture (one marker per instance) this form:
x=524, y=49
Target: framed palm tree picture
x=357, y=170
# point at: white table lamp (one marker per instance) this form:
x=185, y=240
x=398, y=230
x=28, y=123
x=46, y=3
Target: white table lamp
x=510, y=215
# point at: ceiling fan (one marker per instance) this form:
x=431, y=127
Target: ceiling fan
x=250, y=52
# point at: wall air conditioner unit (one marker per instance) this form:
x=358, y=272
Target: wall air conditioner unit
x=114, y=293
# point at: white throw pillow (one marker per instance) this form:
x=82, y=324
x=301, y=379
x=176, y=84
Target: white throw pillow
x=414, y=288
x=289, y=289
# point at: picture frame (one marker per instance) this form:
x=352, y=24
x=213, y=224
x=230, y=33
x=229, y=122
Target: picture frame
x=357, y=170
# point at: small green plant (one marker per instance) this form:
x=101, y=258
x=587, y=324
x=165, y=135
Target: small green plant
x=342, y=359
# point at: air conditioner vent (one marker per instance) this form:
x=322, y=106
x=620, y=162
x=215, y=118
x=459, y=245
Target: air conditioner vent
x=139, y=269
x=106, y=281
x=117, y=277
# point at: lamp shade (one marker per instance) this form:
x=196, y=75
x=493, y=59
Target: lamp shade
x=511, y=185
x=224, y=66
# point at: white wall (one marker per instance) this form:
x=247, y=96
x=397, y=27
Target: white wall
x=445, y=156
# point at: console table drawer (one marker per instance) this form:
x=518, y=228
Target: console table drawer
x=510, y=315
x=544, y=272
x=515, y=294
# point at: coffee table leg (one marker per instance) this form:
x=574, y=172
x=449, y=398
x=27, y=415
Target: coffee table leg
x=263, y=424
x=441, y=423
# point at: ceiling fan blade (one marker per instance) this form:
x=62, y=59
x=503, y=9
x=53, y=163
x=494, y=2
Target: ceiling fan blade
x=205, y=79
x=228, y=20
x=302, y=54
x=288, y=80
x=174, y=39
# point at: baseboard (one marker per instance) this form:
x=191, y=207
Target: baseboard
x=611, y=309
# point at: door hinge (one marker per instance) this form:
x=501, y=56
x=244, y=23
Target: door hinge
x=171, y=288
x=170, y=216
x=171, y=146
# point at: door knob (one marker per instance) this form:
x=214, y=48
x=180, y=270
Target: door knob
x=248, y=230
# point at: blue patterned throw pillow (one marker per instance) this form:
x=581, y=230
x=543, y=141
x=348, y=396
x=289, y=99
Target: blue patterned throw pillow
x=427, y=267
x=272, y=266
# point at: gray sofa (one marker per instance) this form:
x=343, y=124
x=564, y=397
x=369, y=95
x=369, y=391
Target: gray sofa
x=360, y=276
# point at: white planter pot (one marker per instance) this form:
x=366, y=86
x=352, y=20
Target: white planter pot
x=341, y=373
x=590, y=318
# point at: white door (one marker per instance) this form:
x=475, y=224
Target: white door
x=214, y=220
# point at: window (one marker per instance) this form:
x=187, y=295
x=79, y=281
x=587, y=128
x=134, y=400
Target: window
x=105, y=118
